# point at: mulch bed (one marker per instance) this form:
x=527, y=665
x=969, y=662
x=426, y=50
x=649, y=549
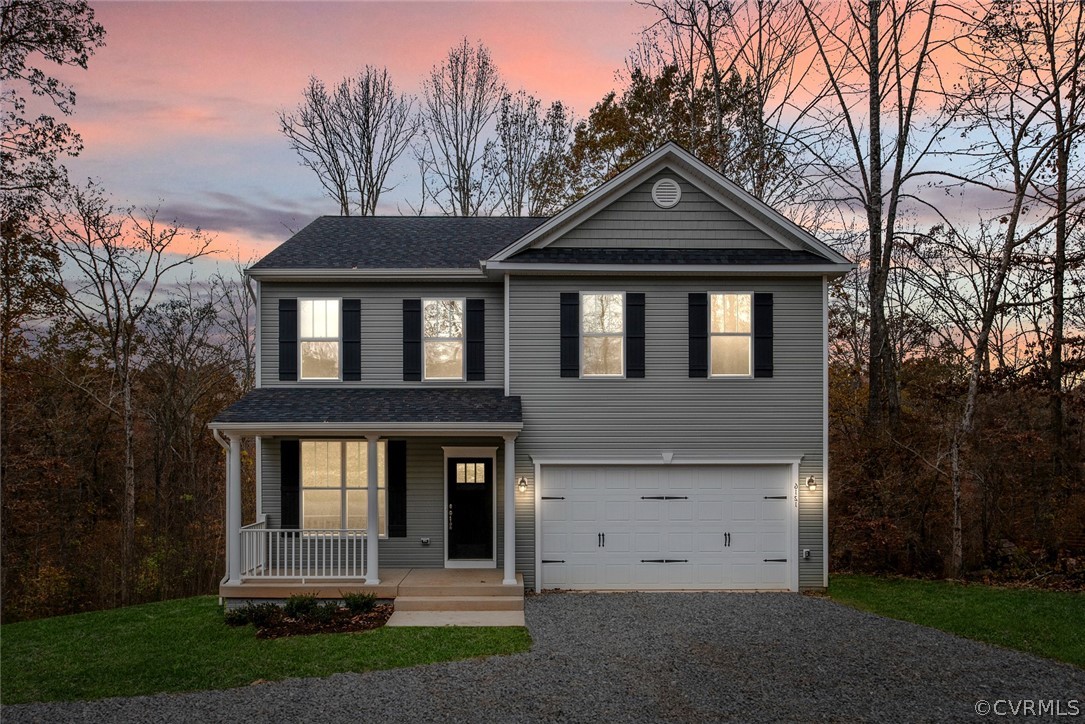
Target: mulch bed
x=341, y=622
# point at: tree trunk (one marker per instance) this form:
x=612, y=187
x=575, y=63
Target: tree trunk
x=877, y=277
x=956, y=558
x=128, y=523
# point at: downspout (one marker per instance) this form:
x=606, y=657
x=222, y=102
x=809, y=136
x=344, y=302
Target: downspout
x=225, y=446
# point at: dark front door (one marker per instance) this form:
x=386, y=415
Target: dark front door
x=470, y=508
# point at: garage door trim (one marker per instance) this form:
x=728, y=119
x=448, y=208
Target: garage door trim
x=785, y=460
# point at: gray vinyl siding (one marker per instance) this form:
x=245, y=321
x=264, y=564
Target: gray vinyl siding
x=425, y=499
x=696, y=222
x=382, y=328
x=668, y=411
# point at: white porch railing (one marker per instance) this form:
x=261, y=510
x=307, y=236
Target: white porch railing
x=268, y=553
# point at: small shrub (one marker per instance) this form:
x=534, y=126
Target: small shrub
x=300, y=605
x=358, y=603
x=324, y=613
x=265, y=614
x=237, y=616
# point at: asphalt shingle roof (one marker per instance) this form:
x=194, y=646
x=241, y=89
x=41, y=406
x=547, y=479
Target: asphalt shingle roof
x=397, y=242
x=553, y=255
x=354, y=404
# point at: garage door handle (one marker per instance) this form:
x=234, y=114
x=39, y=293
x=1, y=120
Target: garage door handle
x=775, y=497
x=664, y=497
x=775, y=560
x=546, y=561
x=553, y=497
x=663, y=560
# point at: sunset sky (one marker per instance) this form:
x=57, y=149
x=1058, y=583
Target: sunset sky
x=178, y=109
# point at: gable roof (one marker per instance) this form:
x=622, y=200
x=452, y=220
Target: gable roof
x=679, y=161
x=396, y=242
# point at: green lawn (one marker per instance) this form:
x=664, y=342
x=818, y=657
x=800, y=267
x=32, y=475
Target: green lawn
x=183, y=645
x=1045, y=623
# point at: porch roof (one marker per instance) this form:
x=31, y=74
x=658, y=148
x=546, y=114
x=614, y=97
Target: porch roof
x=286, y=410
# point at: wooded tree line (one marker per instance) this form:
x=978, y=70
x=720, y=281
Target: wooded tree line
x=937, y=145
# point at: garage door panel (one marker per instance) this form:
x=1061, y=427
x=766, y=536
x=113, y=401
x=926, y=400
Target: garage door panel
x=687, y=530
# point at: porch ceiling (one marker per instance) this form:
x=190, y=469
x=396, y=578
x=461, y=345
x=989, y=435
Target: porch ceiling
x=353, y=410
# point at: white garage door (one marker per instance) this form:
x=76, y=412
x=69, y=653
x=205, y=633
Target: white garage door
x=663, y=527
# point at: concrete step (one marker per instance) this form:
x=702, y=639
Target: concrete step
x=456, y=590
x=457, y=618
x=459, y=603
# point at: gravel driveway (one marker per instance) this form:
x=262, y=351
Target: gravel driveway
x=648, y=657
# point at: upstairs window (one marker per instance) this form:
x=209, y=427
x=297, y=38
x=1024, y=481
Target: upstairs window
x=602, y=334
x=442, y=339
x=730, y=336
x=318, y=324
x=334, y=485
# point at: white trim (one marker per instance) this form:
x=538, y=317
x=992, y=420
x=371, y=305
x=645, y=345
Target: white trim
x=297, y=275
x=748, y=335
x=774, y=270
x=462, y=338
x=782, y=459
x=507, y=393
x=259, y=356
x=259, y=477
x=788, y=460
x=338, y=340
x=470, y=452
x=580, y=336
x=279, y=429
x=825, y=433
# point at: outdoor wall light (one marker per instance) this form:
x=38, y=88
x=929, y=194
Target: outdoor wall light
x=521, y=485
x=811, y=483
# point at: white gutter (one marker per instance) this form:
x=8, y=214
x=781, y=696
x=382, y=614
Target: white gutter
x=458, y=274
x=831, y=270
x=353, y=428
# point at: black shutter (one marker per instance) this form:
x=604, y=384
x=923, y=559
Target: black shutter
x=476, y=339
x=634, y=334
x=289, y=483
x=762, y=335
x=570, y=334
x=352, y=340
x=288, y=339
x=397, y=488
x=698, y=335
x=412, y=339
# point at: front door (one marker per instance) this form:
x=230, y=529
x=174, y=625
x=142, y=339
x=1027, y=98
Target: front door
x=470, y=508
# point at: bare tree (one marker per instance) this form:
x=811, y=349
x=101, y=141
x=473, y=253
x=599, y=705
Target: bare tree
x=119, y=260
x=352, y=136
x=237, y=321
x=461, y=98
x=524, y=158
x=871, y=134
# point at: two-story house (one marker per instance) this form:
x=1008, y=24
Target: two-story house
x=631, y=394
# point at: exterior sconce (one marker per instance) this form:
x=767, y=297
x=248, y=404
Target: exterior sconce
x=521, y=485
x=811, y=484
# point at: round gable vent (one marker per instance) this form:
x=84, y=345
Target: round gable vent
x=666, y=193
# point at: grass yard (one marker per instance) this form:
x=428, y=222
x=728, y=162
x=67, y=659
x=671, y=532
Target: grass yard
x=183, y=645
x=1045, y=623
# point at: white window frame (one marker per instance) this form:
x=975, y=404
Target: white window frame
x=343, y=487
x=582, y=334
x=462, y=339
x=712, y=334
x=337, y=339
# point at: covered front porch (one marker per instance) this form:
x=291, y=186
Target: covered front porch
x=440, y=504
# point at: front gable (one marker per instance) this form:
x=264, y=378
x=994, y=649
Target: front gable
x=711, y=214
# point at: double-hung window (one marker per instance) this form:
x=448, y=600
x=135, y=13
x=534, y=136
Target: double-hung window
x=730, y=336
x=442, y=339
x=335, y=483
x=602, y=334
x=319, y=338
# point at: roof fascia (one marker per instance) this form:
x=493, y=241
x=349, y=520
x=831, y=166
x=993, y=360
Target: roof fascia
x=831, y=270
x=376, y=426
x=306, y=275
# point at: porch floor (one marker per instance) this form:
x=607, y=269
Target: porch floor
x=395, y=582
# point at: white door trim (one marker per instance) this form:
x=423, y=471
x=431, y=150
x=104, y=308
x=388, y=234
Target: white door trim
x=470, y=452
x=792, y=503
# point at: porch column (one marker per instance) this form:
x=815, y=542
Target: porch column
x=510, y=511
x=233, y=511
x=372, y=530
